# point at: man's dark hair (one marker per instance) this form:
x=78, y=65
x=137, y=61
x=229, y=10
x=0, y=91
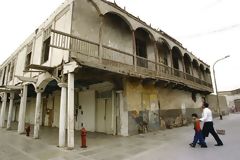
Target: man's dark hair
x=205, y=105
x=195, y=115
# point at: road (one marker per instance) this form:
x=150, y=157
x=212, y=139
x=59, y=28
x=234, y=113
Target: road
x=161, y=145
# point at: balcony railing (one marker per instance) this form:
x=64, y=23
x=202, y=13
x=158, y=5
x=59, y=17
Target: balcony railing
x=94, y=54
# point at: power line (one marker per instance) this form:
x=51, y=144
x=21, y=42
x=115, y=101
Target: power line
x=224, y=29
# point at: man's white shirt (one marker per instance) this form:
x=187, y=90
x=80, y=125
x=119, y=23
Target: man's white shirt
x=206, y=115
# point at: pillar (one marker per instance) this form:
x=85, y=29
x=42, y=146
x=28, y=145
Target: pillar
x=70, y=122
x=22, y=110
x=62, y=117
x=100, y=49
x=123, y=115
x=3, y=110
x=134, y=50
x=10, y=111
x=37, y=115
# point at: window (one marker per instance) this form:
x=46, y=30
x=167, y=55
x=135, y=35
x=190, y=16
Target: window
x=29, y=55
x=46, y=48
x=28, y=60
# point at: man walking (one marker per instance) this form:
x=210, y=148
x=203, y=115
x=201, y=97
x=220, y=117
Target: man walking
x=208, y=124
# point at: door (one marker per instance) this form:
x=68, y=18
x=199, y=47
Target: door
x=104, y=115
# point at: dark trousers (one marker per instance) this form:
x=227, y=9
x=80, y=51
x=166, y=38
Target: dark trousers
x=208, y=128
x=198, y=137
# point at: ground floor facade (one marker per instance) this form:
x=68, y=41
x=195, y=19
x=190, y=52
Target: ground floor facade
x=105, y=103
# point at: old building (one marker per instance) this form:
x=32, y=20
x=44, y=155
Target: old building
x=233, y=99
x=92, y=64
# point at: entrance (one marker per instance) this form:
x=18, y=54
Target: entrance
x=104, y=115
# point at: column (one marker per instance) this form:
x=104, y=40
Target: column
x=10, y=111
x=37, y=115
x=22, y=110
x=100, y=49
x=70, y=122
x=134, y=50
x=156, y=56
x=3, y=110
x=123, y=115
x=62, y=117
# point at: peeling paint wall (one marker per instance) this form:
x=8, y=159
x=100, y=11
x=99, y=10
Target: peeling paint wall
x=145, y=100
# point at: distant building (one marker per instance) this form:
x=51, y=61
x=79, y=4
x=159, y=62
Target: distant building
x=92, y=64
x=233, y=99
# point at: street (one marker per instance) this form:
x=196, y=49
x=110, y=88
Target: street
x=165, y=145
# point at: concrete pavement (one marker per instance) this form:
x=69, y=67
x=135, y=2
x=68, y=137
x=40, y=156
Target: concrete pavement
x=165, y=145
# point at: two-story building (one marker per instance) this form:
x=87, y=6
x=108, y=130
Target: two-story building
x=92, y=64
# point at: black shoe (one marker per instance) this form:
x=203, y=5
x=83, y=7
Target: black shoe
x=203, y=146
x=192, y=145
x=218, y=144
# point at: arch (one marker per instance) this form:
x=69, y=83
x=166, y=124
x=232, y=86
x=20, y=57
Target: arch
x=144, y=42
x=187, y=63
x=96, y=7
x=146, y=30
x=208, y=75
x=202, y=73
x=195, y=63
x=176, y=57
x=52, y=85
x=196, y=72
x=122, y=17
x=31, y=90
x=163, y=49
x=117, y=34
x=43, y=81
x=208, y=71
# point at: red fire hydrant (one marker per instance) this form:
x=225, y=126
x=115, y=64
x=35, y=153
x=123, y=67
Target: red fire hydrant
x=27, y=130
x=84, y=138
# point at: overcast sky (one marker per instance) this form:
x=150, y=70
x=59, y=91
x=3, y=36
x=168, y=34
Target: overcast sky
x=208, y=28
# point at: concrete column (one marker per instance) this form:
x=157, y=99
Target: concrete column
x=70, y=127
x=100, y=49
x=22, y=110
x=10, y=111
x=62, y=117
x=37, y=115
x=123, y=115
x=3, y=110
x=134, y=50
x=14, y=114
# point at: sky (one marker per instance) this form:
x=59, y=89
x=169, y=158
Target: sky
x=210, y=29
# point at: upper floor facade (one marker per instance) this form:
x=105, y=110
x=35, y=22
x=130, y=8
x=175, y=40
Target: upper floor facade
x=99, y=34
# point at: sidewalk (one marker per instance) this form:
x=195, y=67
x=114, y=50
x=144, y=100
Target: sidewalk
x=165, y=145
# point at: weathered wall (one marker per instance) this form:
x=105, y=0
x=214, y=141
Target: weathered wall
x=85, y=20
x=212, y=100
x=144, y=102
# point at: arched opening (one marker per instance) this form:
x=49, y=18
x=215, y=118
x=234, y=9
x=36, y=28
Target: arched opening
x=208, y=75
x=117, y=34
x=177, y=61
x=195, y=69
x=144, y=47
x=163, y=52
x=187, y=63
x=202, y=73
x=49, y=108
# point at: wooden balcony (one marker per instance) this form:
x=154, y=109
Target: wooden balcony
x=95, y=55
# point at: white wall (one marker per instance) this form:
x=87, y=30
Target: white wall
x=87, y=101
